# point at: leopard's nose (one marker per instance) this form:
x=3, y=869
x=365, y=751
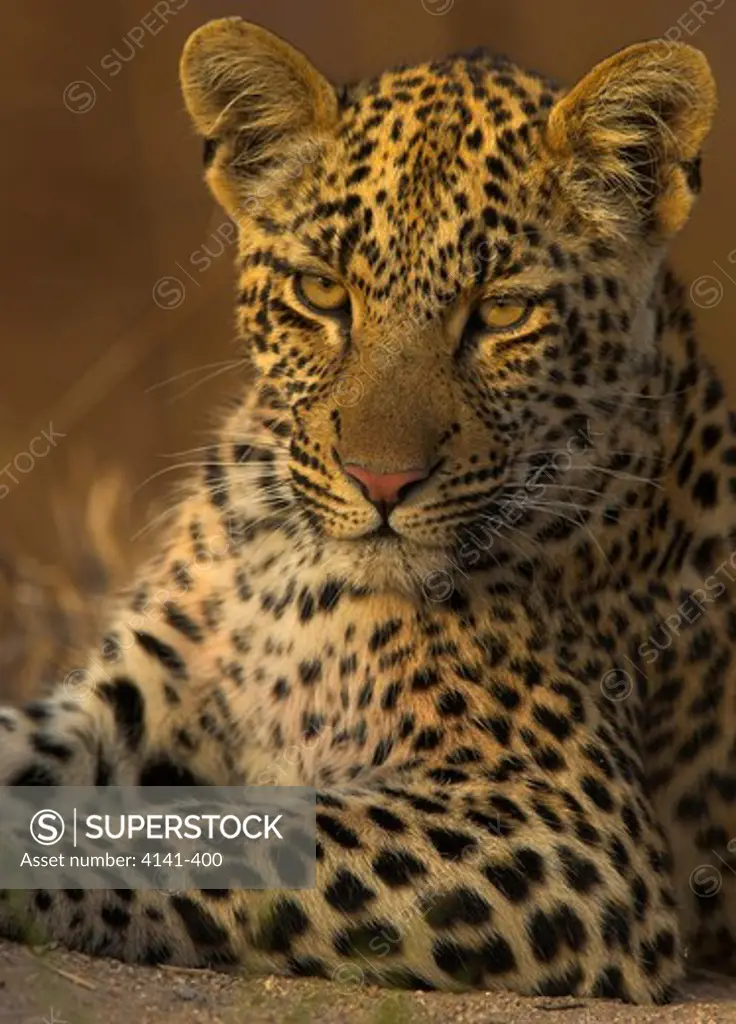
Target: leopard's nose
x=385, y=490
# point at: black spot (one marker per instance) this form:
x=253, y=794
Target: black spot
x=128, y=707
x=217, y=959
x=640, y=895
x=713, y=395
x=597, y=792
x=548, y=816
x=156, y=952
x=544, y=938
x=460, y=962
x=365, y=696
x=452, y=702
x=381, y=752
x=610, y=985
x=171, y=695
x=619, y=855
x=587, y=833
x=459, y=906
x=553, y=722
x=465, y=755
x=449, y=844
x=306, y=606
x=427, y=739
x=565, y=984
x=43, y=900
x=509, y=881
x=615, y=926
x=390, y=695
x=499, y=728
x=338, y=832
x=180, y=621
x=426, y=806
x=402, y=977
x=691, y=808
x=631, y=822
x=383, y=634
x=312, y=725
x=386, y=819
x=164, y=653
x=581, y=874
x=33, y=775
x=348, y=666
x=329, y=595
x=323, y=799
x=281, y=688
x=286, y=921
x=161, y=771
x=447, y=776
x=710, y=435
x=705, y=489
x=116, y=917
x=397, y=867
x=406, y=726
x=529, y=863
x=549, y=759
x=686, y=468
x=37, y=710
x=347, y=893
x=44, y=744
x=497, y=955
x=310, y=672
x=506, y=695
x=549, y=930
x=306, y=967
x=506, y=807
x=424, y=678
x=666, y=944
x=201, y=926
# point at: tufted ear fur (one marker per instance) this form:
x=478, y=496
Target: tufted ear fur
x=626, y=139
x=262, y=107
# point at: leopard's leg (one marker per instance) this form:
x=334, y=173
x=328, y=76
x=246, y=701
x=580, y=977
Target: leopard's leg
x=691, y=751
x=521, y=885
x=526, y=885
x=137, y=720
x=139, y=714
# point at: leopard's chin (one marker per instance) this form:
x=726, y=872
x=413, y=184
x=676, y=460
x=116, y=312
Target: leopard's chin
x=385, y=561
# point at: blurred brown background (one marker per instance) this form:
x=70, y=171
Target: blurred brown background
x=116, y=284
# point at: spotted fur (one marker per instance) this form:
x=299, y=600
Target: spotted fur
x=518, y=777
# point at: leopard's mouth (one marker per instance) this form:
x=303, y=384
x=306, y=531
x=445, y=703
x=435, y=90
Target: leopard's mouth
x=385, y=532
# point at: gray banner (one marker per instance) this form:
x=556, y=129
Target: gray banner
x=170, y=838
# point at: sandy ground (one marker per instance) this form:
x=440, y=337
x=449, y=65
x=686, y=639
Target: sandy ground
x=52, y=986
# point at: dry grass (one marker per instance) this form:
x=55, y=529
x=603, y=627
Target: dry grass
x=50, y=614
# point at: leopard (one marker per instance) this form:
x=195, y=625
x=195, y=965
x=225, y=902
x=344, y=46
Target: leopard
x=459, y=556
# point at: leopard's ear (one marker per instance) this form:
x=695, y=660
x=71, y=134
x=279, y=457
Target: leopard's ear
x=260, y=105
x=626, y=140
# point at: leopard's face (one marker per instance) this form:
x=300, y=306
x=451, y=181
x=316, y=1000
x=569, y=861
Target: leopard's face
x=434, y=316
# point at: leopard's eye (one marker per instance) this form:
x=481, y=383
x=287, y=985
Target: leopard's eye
x=321, y=293
x=500, y=315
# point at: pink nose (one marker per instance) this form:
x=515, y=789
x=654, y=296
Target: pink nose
x=385, y=488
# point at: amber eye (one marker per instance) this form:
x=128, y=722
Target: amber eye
x=321, y=293
x=501, y=315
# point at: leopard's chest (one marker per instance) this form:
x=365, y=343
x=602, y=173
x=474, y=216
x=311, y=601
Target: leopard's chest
x=337, y=685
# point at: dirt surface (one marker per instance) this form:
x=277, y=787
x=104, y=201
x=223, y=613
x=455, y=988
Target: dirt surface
x=52, y=986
